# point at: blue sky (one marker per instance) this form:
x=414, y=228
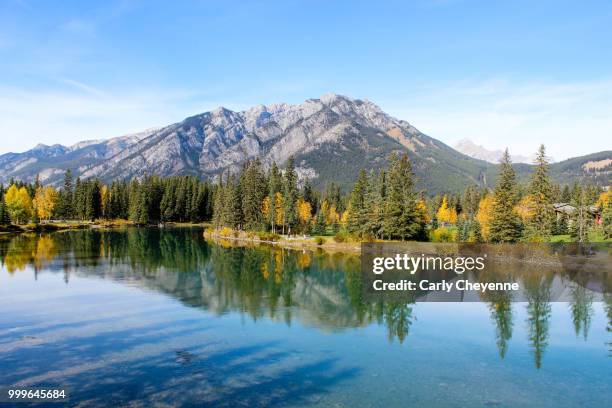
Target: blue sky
x=500, y=73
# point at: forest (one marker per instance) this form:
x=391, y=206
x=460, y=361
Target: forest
x=380, y=206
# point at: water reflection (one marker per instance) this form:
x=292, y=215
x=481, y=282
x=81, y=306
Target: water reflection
x=321, y=290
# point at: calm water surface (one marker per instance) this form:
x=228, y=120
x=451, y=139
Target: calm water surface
x=151, y=317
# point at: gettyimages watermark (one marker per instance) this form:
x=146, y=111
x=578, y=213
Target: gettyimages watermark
x=447, y=272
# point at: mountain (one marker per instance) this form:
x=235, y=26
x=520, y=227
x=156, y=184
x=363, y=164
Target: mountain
x=592, y=168
x=469, y=148
x=331, y=138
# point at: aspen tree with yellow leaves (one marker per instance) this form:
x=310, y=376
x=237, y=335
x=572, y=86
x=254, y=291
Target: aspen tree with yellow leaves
x=19, y=204
x=45, y=201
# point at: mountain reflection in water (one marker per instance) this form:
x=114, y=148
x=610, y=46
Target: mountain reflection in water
x=264, y=284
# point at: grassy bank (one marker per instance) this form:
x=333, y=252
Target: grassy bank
x=327, y=243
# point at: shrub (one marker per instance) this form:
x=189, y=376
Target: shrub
x=268, y=236
x=443, y=234
x=226, y=232
x=319, y=240
x=341, y=237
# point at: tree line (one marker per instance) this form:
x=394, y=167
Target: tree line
x=381, y=205
x=150, y=200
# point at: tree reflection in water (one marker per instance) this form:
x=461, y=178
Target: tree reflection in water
x=538, y=311
x=268, y=281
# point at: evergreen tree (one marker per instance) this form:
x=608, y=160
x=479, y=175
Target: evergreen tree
x=309, y=195
x=377, y=199
x=580, y=217
x=66, y=199
x=470, y=201
x=476, y=232
x=5, y=219
x=181, y=200
x=119, y=200
x=541, y=220
x=319, y=226
x=402, y=219
x=566, y=195
x=505, y=225
x=290, y=195
x=78, y=200
x=219, y=203
x=167, y=205
x=358, y=213
x=253, y=193
x=91, y=192
x=232, y=214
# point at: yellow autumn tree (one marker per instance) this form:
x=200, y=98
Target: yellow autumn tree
x=304, y=212
x=18, y=203
x=279, y=212
x=445, y=213
x=332, y=215
x=279, y=209
x=484, y=215
x=525, y=207
x=265, y=207
x=105, y=201
x=45, y=201
x=345, y=216
x=324, y=209
x=604, y=198
x=422, y=211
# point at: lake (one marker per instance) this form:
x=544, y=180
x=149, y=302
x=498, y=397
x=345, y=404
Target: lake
x=159, y=317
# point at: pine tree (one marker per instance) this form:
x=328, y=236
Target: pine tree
x=167, y=205
x=566, y=195
x=232, y=212
x=180, y=203
x=119, y=200
x=505, y=224
x=77, y=200
x=290, y=195
x=5, y=219
x=541, y=220
x=580, y=218
x=402, y=219
x=219, y=203
x=357, y=205
x=91, y=192
x=309, y=195
x=253, y=193
x=65, y=202
x=319, y=226
x=475, y=233
x=376, y=200
x=470, y=201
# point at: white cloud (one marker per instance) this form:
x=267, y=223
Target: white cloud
x=82, y=112
x=571, y=119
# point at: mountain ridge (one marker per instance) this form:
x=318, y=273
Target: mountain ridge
x=468, y=147
x=331, y=138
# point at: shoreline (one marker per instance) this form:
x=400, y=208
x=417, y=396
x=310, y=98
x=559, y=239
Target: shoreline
x=59, y=226
x=296, y=243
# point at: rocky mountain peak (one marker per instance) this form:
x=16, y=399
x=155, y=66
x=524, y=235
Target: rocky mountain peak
x=331, y=138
